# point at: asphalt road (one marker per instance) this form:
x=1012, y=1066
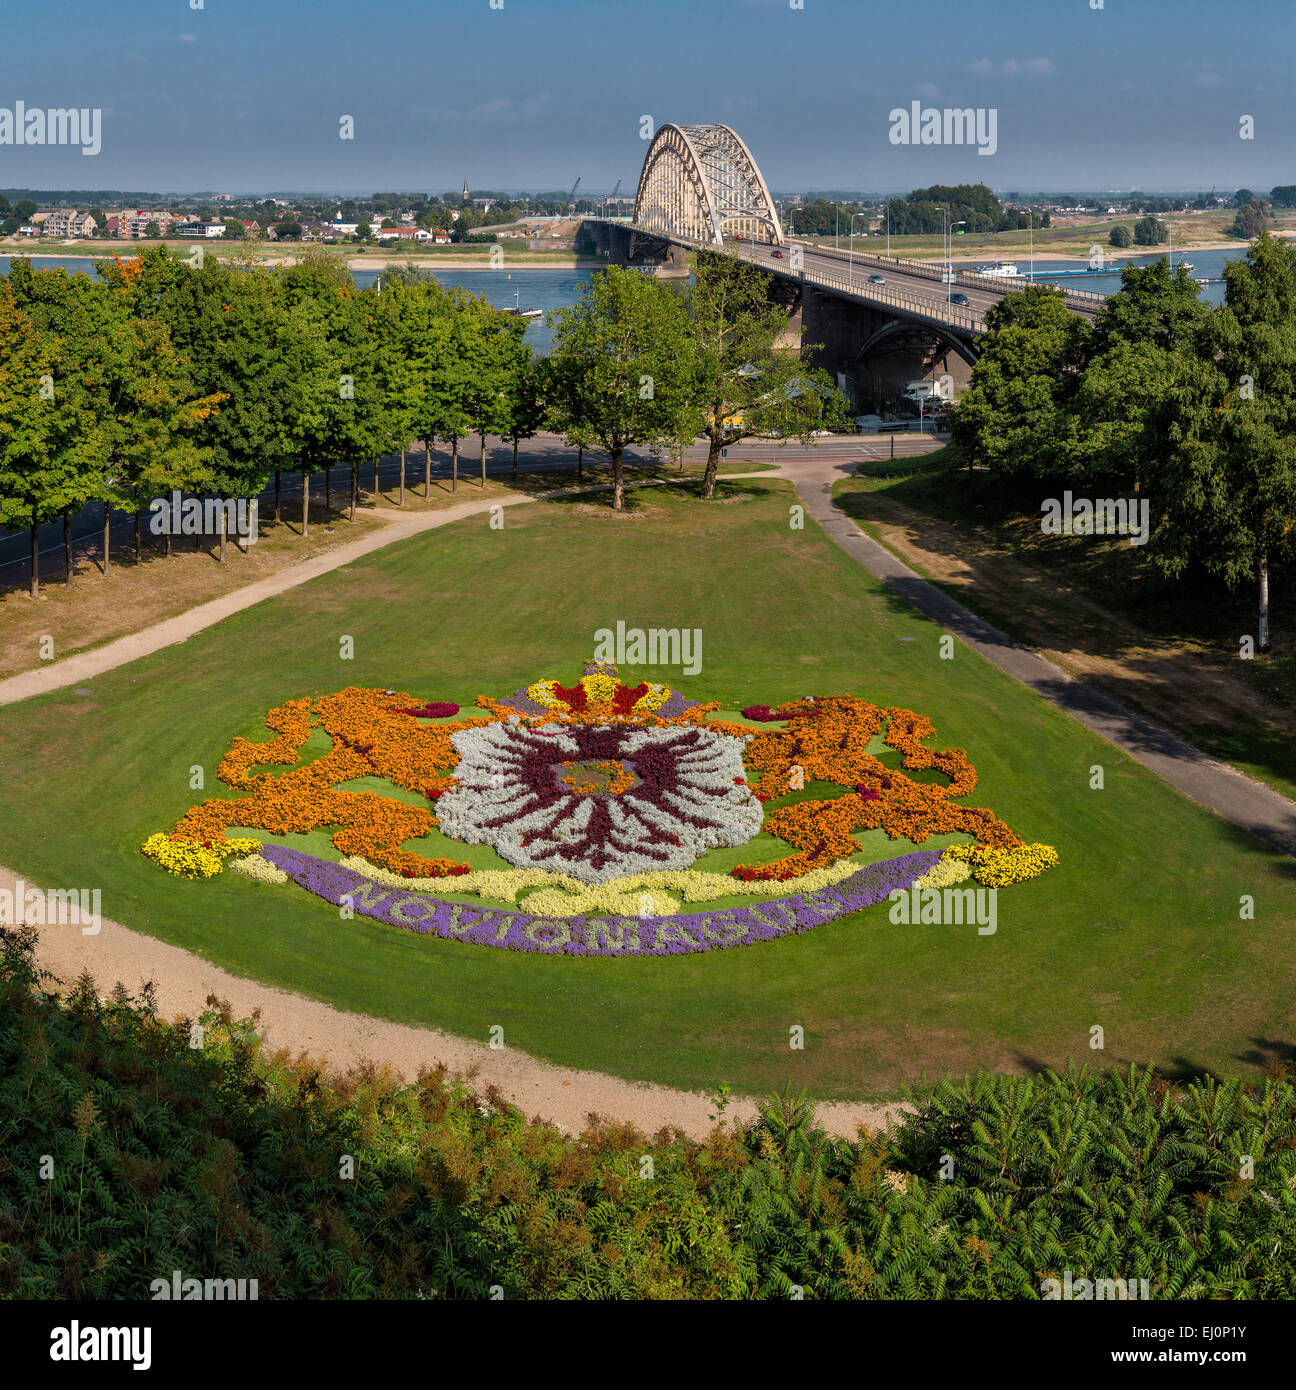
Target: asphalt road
x=897, y=277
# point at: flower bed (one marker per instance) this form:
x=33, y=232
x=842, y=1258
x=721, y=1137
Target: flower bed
x=603, y=796
x=684, y=934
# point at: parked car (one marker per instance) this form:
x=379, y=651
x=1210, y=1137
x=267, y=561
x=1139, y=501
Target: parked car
x=959, y=299
x=877, y=279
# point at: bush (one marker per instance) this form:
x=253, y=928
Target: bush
x=1121, y=236
x=223, y=1161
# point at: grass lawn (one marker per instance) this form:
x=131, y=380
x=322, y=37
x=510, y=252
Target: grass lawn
x=1137, y=930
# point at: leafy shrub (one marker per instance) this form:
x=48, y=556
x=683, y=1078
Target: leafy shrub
x=224, y=1161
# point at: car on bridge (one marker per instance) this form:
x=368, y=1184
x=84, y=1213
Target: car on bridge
x=877, y=279
x=959, y=299
x=778, y=255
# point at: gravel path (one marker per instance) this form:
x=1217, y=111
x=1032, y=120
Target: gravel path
x=184, y=980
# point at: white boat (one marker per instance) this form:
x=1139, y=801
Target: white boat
x=1004, y=269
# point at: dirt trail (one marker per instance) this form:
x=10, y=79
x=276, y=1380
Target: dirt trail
x=184, y=980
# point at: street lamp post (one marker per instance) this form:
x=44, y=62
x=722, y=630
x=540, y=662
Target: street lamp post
x=1031, y=215
x=850, y=272
x=949, y=274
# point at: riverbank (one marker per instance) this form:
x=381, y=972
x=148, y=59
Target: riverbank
x=462, y=258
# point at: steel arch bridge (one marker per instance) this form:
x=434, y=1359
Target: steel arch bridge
x=699, y=183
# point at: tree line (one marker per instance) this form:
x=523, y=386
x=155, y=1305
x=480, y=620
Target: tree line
x=1188, y=404
x=214, y=379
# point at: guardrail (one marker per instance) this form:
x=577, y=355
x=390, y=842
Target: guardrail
x=955, y=317
x=1085, y=301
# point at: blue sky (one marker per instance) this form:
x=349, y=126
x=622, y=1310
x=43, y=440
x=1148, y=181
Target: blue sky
x=247, y=95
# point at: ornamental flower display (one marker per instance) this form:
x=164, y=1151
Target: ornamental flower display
x=599, y=797
x=599, y=801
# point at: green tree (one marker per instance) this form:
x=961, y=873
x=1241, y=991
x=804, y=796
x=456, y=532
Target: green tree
x=1121, y=236
x=749, y=381
x=526, y=391
x=1149, y=231
x=1283, y=195
x=1230, y=472
x=1242, y=197
x=622, y=368
x=1250, y=221
x=51, y=429
x=1014, y=416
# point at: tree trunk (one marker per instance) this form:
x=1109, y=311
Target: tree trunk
x=401, y=503
x=427, y=469
x=1264, y=603
x=138, y=555
x=35, y=574
x=224, y=523
x=107, y=525
x=580, y=459
x=712, y=468
x=328, y=490
x=618, y=482
x=167, y=542
x=483, y=457
x=355, y=489
x=454, y=463
x=305, y=503
x=375, y=480
x=515, y=443
x=276, y=497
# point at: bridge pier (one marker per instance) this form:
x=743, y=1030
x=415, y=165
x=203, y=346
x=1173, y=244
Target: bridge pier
x=872, y=351
x=623, y=245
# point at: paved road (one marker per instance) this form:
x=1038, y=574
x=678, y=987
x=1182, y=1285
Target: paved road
x=1226, y=791
x=918, y=283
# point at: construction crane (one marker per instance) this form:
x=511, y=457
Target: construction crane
x=611, y=198
x=571, y=197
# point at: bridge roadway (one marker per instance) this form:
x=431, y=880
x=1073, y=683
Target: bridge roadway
x=913, y=289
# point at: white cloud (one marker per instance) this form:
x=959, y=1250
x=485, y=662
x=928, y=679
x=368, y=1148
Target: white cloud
x=1011, y=67
x=929, y=90
x=185, y=38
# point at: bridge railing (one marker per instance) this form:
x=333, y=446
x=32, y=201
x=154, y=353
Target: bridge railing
x=1085, y=301
x=968, y=320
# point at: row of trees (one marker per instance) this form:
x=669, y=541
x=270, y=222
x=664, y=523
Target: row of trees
x=1193, y=406
x=211, y=380
x=162, y=376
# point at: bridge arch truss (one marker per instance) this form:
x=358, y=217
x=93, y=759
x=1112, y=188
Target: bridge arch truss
x=700, y=183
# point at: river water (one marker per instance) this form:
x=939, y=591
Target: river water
x=1205, y=265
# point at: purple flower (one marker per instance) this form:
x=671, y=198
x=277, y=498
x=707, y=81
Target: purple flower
x=683, y=934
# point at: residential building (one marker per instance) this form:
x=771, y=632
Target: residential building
x=199, y=229
x=67, y=222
